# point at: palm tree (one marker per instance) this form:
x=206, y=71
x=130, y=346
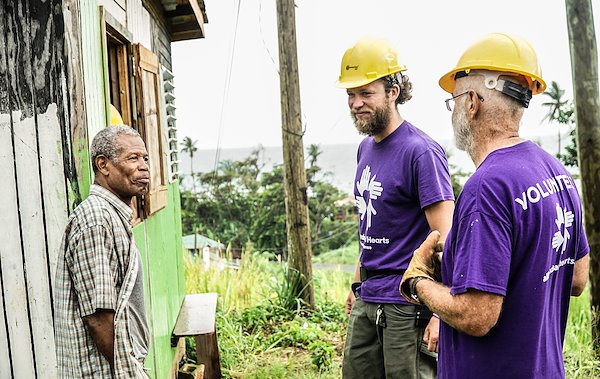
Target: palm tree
x=313, y=153
x=555, y=107
x=189, y=146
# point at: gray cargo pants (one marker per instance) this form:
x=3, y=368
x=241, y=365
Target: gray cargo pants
x=396, y=351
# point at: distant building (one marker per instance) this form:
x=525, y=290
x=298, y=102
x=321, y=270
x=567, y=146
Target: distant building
x=195, y=243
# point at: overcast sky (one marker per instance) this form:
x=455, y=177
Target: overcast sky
x=232, y=100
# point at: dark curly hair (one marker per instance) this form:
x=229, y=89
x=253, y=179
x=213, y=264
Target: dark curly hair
x=403, y=81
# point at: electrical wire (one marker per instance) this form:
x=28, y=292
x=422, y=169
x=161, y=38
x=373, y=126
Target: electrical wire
x=226, y=87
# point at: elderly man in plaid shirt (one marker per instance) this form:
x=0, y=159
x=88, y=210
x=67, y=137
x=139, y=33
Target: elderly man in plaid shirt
x=100, y=323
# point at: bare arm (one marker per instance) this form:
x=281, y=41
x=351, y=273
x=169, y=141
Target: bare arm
x=101, y=326
x=351, y=298
x=580, y=275
x=439, y=217
x=474, y=312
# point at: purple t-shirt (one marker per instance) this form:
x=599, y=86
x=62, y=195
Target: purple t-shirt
x=395, y=179
x=517, y=232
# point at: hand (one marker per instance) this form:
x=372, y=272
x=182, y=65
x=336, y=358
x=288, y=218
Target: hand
x=363, y=184
x=431, y=335
x=350, y=300
x=375, y=188
x=362, y=206
x=423, y=264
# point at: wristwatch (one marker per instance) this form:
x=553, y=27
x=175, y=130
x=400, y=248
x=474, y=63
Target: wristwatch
x=413, y=287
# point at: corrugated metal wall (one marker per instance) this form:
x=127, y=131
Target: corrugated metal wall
x=36, y=173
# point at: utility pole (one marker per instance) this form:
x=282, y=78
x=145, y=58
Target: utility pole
x=584, y=66
x=296, y=199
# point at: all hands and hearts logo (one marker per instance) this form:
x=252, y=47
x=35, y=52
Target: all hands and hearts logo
x=564, y=220
x=369, y=190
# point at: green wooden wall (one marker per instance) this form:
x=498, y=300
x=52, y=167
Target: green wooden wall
x=159, y=240
x=158, y=237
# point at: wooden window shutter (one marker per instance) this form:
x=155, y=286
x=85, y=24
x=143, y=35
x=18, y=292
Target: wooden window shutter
x=147, y=81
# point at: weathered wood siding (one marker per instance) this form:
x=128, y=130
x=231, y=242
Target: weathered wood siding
x=93, y=68
x=38, y=178
x=138, y=22
x=117, y=8
x=161, y=38
x=52, y=103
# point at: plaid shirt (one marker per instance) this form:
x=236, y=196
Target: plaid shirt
x=97, y=268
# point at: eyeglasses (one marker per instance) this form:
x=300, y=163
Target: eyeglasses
x=449, y=105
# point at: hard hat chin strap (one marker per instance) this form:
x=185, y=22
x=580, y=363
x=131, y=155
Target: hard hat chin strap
x=514, y=90
x=493, y=81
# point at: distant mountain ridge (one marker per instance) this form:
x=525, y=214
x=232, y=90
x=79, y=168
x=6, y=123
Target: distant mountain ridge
x=339, y=160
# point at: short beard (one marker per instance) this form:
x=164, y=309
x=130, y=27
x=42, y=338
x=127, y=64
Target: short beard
x=463, y=136
x=377, y=124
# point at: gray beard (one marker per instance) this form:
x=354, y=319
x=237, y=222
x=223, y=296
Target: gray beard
x=463, y=136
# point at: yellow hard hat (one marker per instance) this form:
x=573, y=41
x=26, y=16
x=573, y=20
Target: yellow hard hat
x=368, y=60
x=499, y=52
x=115, y=116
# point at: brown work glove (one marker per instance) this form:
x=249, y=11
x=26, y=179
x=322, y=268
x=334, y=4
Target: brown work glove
x=424, y=263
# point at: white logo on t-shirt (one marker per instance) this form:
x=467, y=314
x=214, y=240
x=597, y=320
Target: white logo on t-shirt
x=374, y=189
x=564, y=220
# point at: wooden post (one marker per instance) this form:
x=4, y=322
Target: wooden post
x=584, y=64
x=207, y=353
x=296, y=200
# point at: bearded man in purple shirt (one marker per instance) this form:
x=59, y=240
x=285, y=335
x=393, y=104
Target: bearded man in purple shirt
x=402, y=192
x=517, y=249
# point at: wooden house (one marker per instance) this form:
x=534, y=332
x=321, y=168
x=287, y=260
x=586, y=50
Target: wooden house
x=62, y=62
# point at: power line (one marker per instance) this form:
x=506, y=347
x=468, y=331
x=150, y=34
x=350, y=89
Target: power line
x=226, y=87
x=262, y=36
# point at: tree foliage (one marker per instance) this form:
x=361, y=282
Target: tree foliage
x=562, y=111
x=240, y=203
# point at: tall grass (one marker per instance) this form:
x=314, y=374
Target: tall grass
x=580, y=361
x=236, y=288
x=259, y=336
x=259, y=339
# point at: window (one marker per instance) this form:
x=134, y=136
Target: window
x=134, y=91
x=149, y=125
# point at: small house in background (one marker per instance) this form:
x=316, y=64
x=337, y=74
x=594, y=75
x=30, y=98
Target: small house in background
x=62, y=64
x=197, y=244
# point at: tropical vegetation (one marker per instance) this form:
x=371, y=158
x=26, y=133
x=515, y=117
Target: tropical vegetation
x=241, y=203
x=262, y=336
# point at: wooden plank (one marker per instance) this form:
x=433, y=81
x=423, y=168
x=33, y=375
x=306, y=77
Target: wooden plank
x=207, y=354
x=115, y=10
x=149, y=125
x=74, y=119
x=125, y=95
x=5, y=364
x=179, y=354
x=34, y=239
x=53, y=181
x=197, y=315
x=138, y=20
x=42, y=199
x=13, y=275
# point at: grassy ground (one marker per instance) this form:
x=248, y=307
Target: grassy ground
x=347, y=255
x=260, y=337
x=580, y=362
